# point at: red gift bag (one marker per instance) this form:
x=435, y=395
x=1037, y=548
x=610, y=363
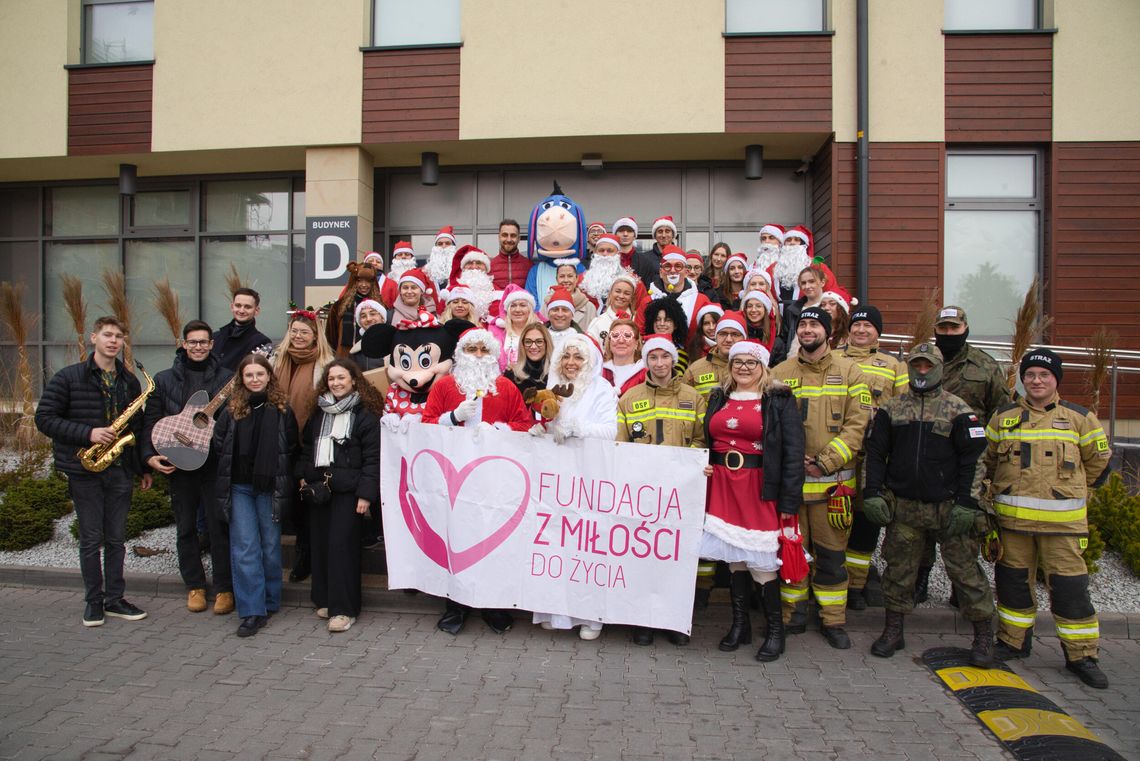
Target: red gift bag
x=793, y=558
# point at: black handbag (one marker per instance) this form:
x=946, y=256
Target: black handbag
x=317, y=494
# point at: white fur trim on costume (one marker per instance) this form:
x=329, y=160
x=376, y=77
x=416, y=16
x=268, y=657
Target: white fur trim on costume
x=475, y=255
x=673, y=256
x=737, y=257
x=559, y=303
x=664, y=222
x=750, y=348
x=730, y=323
x=479, y=335
x=520, y=295
x=567, y=263
x=368, y=303
x=408, y=277
x=458, y=292
x=774, y=231
x=760, y=296
x=403, y=250
x=738, y=536
x=659, y=342
x=625, y=222
x=837, y=299
x=374, y=255
x=716, y=309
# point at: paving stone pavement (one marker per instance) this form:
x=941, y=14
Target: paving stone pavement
x=182, y=686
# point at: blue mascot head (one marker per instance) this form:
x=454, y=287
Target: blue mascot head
x=557, y=229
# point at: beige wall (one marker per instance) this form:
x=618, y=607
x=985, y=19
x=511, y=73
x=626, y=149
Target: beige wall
x=594, y=78
x=843, y=72
x=339, y=183
x=256, y=73
x=33, y=83
x=906, y=68
x=1096, y=70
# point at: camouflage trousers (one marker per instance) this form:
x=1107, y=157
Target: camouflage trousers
x=903, y=553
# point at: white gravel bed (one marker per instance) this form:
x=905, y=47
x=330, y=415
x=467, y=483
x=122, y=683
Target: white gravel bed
x=1113, y=588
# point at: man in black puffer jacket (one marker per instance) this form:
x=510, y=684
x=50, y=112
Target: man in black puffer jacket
x=195, y=369
x=76, y=410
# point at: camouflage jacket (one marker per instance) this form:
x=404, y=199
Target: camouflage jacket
x=975, y=378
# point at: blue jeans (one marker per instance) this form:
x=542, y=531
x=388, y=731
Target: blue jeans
x=255, y=551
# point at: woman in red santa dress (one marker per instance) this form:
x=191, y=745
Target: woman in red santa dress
x=756, y=475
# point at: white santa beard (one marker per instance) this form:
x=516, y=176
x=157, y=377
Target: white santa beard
x=766, y=256
x=793, y=260
x=474, y=374
x=399, y=267
x=482, y=289
x=438, y=266
x=600, y=277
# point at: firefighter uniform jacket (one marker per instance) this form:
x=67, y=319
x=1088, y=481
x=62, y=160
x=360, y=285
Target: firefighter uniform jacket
x=885, y=375
x=1042, y=463
x=835, y=403
x=707, y=373
x=673, y=415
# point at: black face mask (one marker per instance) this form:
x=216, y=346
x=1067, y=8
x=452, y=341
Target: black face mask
x=950, y=345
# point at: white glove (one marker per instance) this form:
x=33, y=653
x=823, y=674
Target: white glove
x=465, y=411
x=502, y=427
x=570, y=428
x=391, y=421
x=790, y=532
x=536, y=430
x=558, y=433
x=407, y=420
x=485, y=426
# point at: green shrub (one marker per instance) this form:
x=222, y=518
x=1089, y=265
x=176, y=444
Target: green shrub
x=29, y=510
x=1116, y=514
x=1095, y=549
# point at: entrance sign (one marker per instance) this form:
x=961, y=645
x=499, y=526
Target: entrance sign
x=330, y=244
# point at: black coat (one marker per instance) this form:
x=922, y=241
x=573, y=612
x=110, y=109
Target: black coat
x=783, y=459
x=647, y=264
x=171, y=392
x=72, y=406
x=283, y=486
x=230, y=351
x=356, y=461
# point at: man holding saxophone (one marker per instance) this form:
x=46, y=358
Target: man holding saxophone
x=90, y=412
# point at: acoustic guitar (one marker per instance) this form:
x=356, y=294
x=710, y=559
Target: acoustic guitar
x=184, y=439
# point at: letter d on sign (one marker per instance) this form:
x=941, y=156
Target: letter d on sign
x=330, y=243
x=321, y=257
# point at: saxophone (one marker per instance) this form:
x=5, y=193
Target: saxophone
x=98, y=457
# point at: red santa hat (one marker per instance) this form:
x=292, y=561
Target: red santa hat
x=749, y=348
x=374, y=255
x=559, y=297
x=448, y=232
x=368, y=304
x=478, y=336
x=403, y=247
x=716, y=309
x=475, y=255
x=804, y=234
x=731, y=321
x=839, y=296
x=673, y=254
x=774, y=230
x=737, y=257
x=658, y=341
x=414, y=275
x=607, y=238
x=694, y=256
x=592, y=225
x=760, y=296
x=664, y=222
x=625, y=222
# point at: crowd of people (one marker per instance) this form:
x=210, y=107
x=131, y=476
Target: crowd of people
x=814, y=434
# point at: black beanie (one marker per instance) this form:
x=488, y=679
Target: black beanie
x=1041, y=358
x=869, y=314
x=820, y=315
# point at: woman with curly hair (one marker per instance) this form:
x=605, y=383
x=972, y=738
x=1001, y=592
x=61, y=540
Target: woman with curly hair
x=666, y=316
x=339, y=470
x=255, y=438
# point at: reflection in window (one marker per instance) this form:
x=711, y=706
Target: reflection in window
x=85, y=210
x=263, y=261
x=148, y=262
x=86, y=261
x=160, y=208
x=116, y=32
x=415, y=22
x=759, y=16
x=254, y=205
x=970, y=15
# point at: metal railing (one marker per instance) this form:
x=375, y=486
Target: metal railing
x=1122, y=361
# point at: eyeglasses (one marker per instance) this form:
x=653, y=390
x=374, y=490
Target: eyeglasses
x=745, y=364
x=300, y=332
x=534, y=342
x=197, y=344
x=678, y=267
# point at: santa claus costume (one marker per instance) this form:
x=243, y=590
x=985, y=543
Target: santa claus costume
x=477, y=383
x=438, y=266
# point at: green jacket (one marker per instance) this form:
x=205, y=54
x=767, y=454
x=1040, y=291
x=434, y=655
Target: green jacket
x=975, y=378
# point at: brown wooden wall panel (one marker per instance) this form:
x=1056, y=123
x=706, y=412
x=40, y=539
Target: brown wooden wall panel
x=999, y=88
x=411, y=95
x=821, y=205
x=777, y=84
x=109, y=109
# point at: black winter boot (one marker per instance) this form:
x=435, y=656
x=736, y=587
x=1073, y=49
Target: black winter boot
x=891, y=640
x=773, y=645
x=740, y=633
x=922, y=585
x=982, y=648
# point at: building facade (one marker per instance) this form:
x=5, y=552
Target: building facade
x=1004, y=142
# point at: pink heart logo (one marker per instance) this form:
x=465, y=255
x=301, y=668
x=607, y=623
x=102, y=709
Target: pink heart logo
x=428, y=540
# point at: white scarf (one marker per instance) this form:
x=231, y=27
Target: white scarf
x=336, y=425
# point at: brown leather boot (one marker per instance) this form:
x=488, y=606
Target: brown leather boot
x=982, y=648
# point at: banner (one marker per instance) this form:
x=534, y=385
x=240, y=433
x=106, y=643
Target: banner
x=598, y=530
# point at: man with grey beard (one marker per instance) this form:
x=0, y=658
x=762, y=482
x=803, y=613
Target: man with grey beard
x=605, y=267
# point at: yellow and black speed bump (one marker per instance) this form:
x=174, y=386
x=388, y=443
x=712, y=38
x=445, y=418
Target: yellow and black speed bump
x=1029, y=725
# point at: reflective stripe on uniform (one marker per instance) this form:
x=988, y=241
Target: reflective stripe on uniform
x=902, y=380
x=1078, y=631
x=1013, y=618
x=820, y=485
x=1038, y=509
x=882, y=372
x=827, y=597
x=1040, y=434
x=1093, y=435
x=841, y=447
x=706, y=387
x=792, y=594
x=660, y=413
x=706, y=569
x=858, y=559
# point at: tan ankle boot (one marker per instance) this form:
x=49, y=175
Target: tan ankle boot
x=196, y=601
x=224, y=603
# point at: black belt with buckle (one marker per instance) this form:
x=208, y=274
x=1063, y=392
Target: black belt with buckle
x=734, y=460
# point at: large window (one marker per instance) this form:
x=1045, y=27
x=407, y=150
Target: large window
x=118, y=31
x=992, y=235
x=986, y=15
x=774, y=16
x=398, y=23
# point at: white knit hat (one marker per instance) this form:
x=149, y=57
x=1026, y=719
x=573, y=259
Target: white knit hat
x=751, y=349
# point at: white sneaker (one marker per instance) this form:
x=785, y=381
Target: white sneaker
x=588, y=634
x=341, y=623
x=547, y=625
x=322, y=613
